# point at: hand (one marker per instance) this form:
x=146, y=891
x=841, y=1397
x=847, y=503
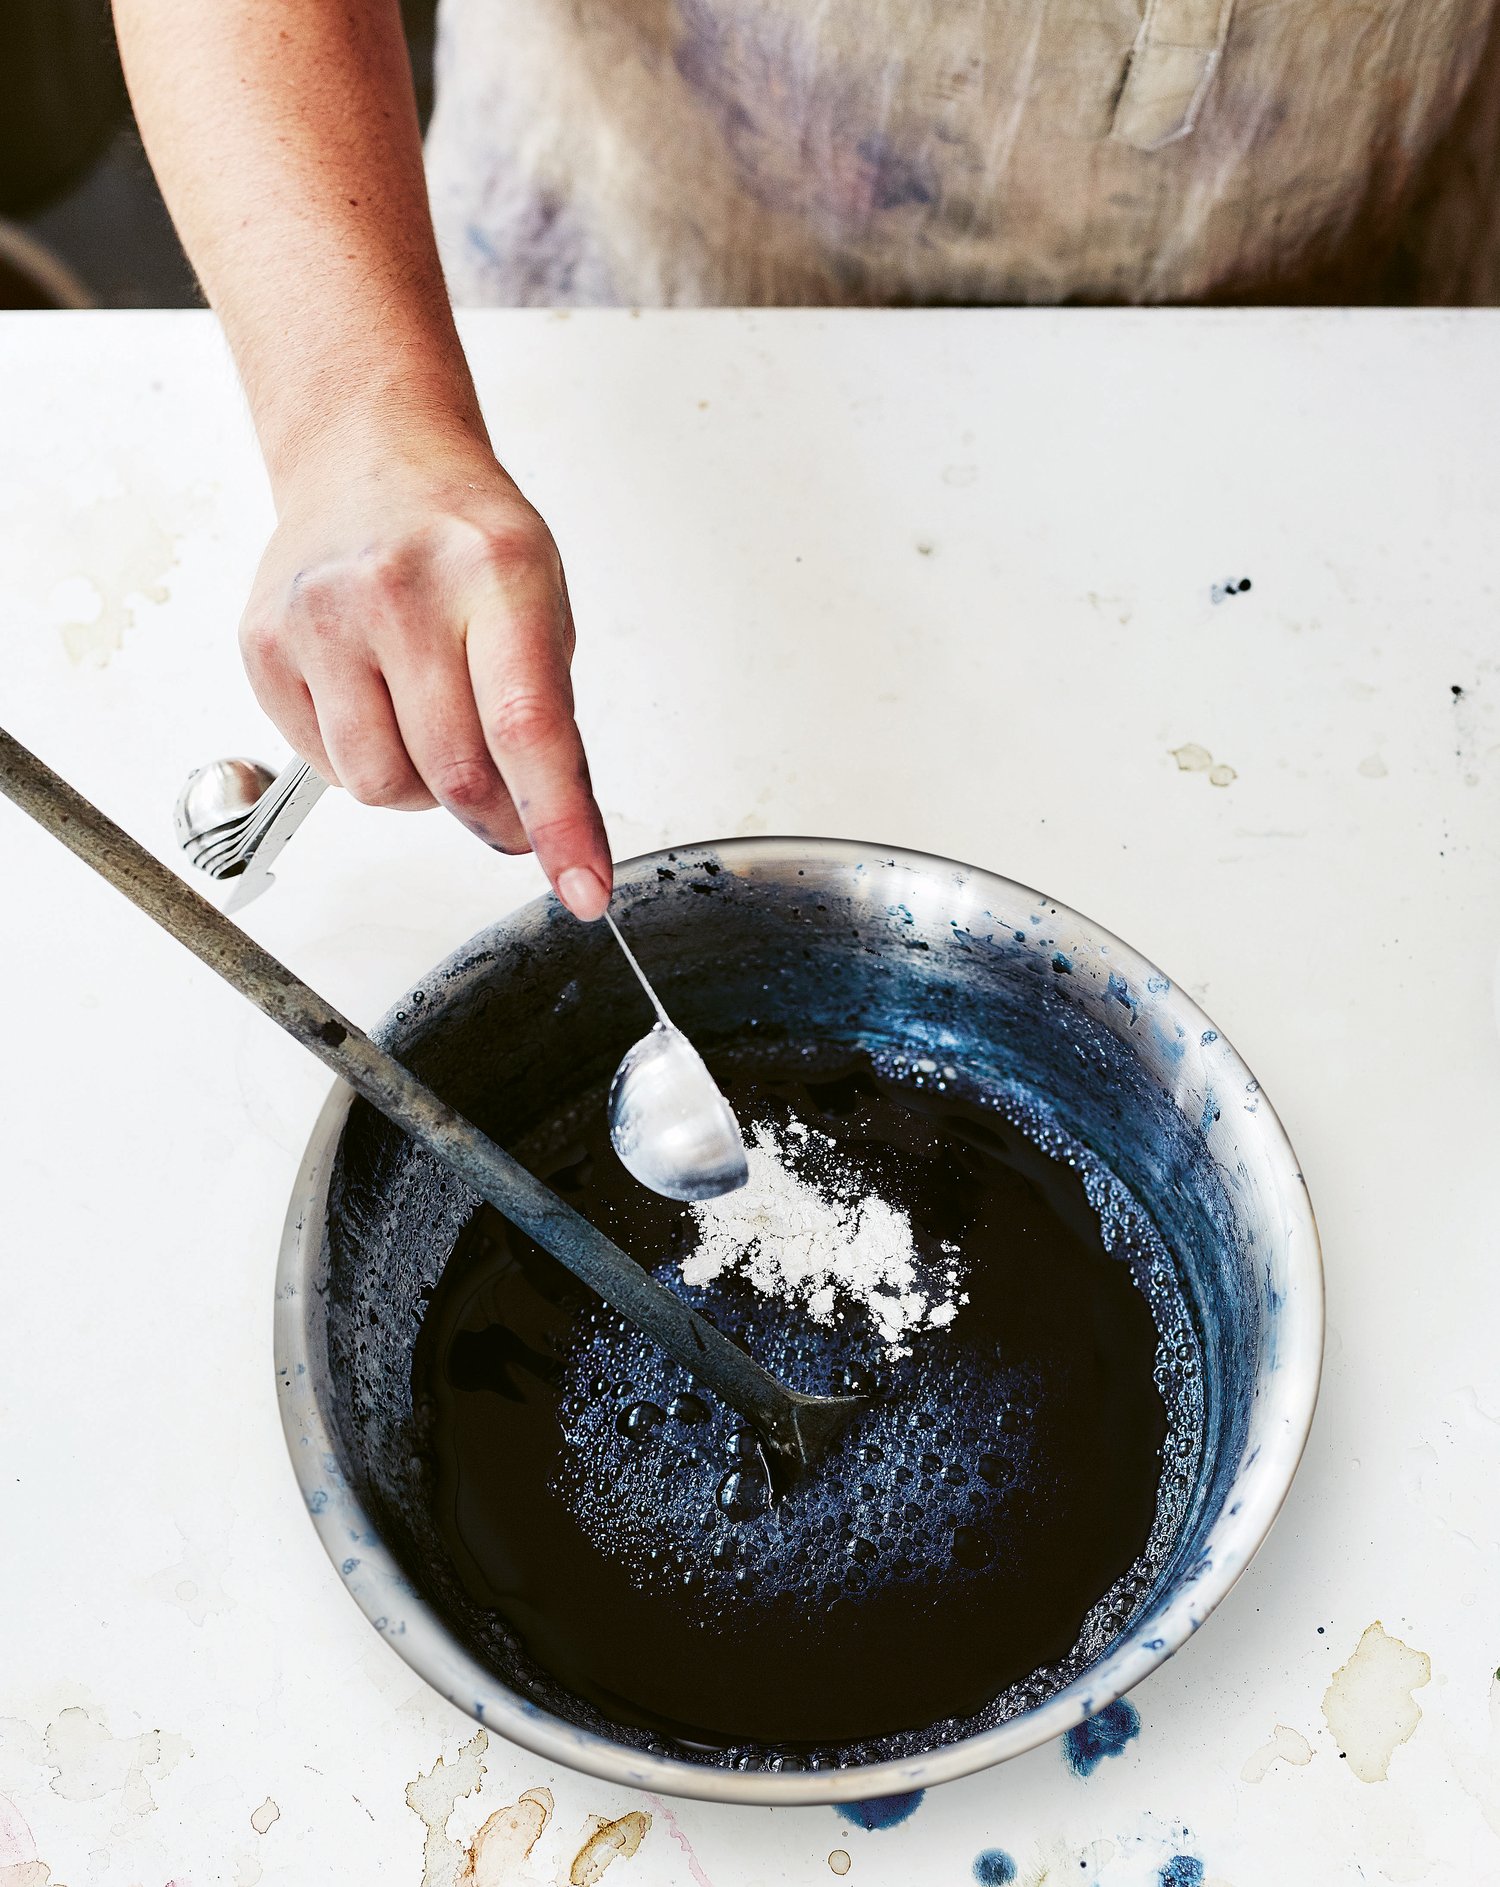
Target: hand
x=409, y=633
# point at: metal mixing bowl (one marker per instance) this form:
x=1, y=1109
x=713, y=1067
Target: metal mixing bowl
x=760, y=945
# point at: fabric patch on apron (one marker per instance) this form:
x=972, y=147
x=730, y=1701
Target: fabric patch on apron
x=1172, y=65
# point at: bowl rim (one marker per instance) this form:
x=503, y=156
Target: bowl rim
x=385, y=1595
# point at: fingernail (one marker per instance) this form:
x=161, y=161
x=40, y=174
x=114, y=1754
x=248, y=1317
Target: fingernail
x=583, y=891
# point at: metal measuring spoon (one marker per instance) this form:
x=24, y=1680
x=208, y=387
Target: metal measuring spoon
x=668, y=1120
x=233, y=818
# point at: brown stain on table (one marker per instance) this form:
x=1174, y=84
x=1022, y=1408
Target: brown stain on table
x=506, y=1839
x=501, y=1849
x=1369, y=1707
x=433, y=1794
x=610, y=1841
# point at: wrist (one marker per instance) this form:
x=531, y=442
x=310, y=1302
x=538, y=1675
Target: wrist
x=346, y=434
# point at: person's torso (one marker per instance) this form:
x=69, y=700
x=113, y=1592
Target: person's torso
x=892, y=151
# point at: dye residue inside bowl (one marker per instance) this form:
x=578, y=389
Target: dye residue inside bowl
x=973, y=1543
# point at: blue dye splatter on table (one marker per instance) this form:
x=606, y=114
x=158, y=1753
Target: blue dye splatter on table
x=1088, y=1743
x=994, y=1868
x=1183, y=1870
x=883, y=1811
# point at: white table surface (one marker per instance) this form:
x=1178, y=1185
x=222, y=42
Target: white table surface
x=939, y=580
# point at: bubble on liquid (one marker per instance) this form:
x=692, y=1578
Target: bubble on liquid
x=743, y=1494
x=639, y=1419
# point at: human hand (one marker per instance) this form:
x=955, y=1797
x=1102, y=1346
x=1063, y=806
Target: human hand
x=409, y=633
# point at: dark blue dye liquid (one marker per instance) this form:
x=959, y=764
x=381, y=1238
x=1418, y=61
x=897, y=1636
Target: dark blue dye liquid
x=976, y=1539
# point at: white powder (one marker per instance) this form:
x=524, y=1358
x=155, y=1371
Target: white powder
x=801, y=1230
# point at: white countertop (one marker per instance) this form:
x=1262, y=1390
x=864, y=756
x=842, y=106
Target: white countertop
x=937, y=580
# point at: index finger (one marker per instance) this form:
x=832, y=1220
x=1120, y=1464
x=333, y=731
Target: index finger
x=519, y=672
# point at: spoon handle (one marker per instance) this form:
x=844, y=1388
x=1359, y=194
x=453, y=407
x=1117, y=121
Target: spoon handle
x=285, y=804
x=794, y=1424
x=661, y=1014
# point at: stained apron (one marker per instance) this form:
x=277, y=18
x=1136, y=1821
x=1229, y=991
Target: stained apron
x=712, y=152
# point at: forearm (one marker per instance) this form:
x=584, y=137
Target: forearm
x=285, y=138
x=409, y=630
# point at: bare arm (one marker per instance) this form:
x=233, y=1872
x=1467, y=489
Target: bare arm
x=409, y=630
